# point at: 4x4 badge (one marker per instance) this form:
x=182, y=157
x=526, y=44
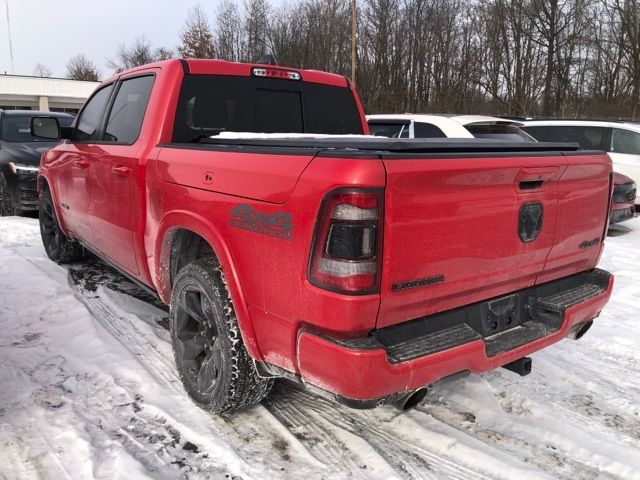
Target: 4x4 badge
x=530, y=221
x=277, y=225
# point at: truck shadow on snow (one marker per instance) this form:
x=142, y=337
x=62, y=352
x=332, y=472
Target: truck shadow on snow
x=618, y=230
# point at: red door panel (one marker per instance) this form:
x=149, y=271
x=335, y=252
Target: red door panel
x=114, y=203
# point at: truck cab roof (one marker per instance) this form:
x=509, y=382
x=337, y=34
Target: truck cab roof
x=224, y=67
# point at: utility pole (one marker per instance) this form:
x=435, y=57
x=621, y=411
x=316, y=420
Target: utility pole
x=353, y=41
x=6, y=4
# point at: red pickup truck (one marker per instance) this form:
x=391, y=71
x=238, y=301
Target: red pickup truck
x=365, y=268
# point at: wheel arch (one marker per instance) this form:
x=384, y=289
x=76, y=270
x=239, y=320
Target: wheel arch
x=42, y=182
x=182, y=237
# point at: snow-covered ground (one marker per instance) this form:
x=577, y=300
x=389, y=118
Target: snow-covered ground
x=88, y=389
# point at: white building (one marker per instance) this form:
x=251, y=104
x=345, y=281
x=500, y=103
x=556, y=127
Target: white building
x=46, y=94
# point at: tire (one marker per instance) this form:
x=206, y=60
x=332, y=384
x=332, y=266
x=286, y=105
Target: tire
x=214, y=365
x=59, y=247
x=7, y=205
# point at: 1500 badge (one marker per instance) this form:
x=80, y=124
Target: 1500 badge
x=277, y=225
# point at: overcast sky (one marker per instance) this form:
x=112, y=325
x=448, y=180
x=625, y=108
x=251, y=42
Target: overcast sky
x=52, y=31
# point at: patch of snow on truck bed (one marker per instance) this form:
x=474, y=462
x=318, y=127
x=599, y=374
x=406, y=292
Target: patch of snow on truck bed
x=89, y=390
x=275, y=136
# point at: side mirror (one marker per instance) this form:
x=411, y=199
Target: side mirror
x=45, y=127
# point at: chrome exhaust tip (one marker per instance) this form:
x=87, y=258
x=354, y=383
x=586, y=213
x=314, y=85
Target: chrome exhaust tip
x=578, y=330
x=411, y=400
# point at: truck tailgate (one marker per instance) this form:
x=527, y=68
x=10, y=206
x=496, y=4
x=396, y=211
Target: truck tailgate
x=463, y=228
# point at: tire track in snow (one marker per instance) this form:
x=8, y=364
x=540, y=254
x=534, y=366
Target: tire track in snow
x=531, y=429
x=409, y=459
x=297, y=410
x=581, y=409
x=238, y=434
x=244, y=434
x=323, y=443
x=315, y=438
x=28, y=459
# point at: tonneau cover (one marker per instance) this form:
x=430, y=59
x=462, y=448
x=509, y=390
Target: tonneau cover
x=408, y=145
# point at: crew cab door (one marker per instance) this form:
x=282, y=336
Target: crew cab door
x=115, y=180
x=73, y=164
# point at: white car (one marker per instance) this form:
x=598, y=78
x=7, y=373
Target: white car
x=446, y=126
x=621, y=140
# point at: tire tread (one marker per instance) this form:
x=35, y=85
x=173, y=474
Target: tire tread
x=245, y=387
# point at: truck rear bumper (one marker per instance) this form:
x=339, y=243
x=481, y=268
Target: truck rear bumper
x=480, y=337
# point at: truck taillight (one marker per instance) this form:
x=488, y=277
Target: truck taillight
x=347, y=247
x=275, y=73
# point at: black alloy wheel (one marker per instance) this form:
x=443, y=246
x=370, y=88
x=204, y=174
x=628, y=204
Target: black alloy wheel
x=59, y=247
x=198, y=341
x=212, y=361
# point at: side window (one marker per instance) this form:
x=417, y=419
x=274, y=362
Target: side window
x=625, y=141
x=541, y=134
x=595, y=138
x=391, y=130
x=590, y=138
x=427, y=130
x=91, y=114
x=127, y=112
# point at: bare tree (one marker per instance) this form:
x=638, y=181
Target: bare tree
x=229, y=43
x=628, y=14
x=255, y=29
x=196, y=40
x=313, y=34
x=140, y=53
x=81, y=68
x=41, y=70
x=162, y=53
x=521, y=57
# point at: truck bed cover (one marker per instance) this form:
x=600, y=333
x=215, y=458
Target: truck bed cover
x=377, y=144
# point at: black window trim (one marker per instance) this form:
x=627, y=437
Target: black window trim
x=112, y=100
x=102, y=123
x=101, y=119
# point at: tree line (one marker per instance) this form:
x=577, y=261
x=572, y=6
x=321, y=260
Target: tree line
x=565, y=58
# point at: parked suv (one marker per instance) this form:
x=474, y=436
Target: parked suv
x=446, y=126
x=624, y=197
x=621, y=140
x=20, y=159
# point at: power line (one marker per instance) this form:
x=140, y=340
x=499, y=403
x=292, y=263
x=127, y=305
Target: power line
x=6, y=4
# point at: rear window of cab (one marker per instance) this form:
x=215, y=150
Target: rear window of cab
x=211, y=104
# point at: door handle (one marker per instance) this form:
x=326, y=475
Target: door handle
x=81, y=163
x=122, y=171
x=532, y=178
